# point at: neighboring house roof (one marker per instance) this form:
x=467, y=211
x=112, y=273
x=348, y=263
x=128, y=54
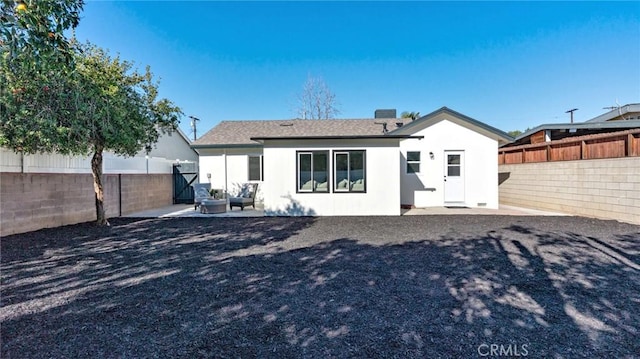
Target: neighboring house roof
x=240, y=133
x=561, y=130
x=456, y=117
x=626, y=112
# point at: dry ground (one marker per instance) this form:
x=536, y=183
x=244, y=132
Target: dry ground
x=437, y=286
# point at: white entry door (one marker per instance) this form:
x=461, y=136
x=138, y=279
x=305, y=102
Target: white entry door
x=454, y=177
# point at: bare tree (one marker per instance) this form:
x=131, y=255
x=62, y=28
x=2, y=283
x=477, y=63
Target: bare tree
x=316, y=101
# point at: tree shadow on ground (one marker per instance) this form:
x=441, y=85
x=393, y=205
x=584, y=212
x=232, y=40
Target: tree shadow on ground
x=293, y=208
x=319, y=287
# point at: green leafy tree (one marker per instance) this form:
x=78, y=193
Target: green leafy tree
x=104, y=104
x=514, y=133
x=118, y=111
x=56, y=96
x=412, y=115
x=34, y=29
x=37, y=59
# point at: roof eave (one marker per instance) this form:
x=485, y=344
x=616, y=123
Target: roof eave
x=580, y=125
x=345, y=137
x=619, y=111
x=229, y=145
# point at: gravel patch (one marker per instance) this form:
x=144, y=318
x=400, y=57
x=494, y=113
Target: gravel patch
x=361, y=287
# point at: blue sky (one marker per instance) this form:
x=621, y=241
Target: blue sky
x=512, y=65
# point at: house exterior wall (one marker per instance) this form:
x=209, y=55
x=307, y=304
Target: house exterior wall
x=173, y=146
x=426, y=189
x=237, y=172
x=382, y=195
x=600, y=188
x=56, y=163
x=229, y=168
x=214, y=165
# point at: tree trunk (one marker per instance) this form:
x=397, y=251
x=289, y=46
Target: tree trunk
x=96, y=169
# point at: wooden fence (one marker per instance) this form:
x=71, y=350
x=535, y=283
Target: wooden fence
x=603, y=145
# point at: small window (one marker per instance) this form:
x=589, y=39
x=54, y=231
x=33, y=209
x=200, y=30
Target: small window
x=453, y=165
x=349, y=171
x=413, y=162
x=255, y=168
x=313, y=171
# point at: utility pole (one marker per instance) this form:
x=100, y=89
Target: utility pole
x=194, y=120
x=571, y=112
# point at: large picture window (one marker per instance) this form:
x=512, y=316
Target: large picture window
x=255, y=168
x=413, y=162
x=313, y=171
x=349, y=171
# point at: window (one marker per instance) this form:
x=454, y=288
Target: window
x=413, y=162
x=349, y=171
x=313, y=171
x=453, y=165
x=255, y=168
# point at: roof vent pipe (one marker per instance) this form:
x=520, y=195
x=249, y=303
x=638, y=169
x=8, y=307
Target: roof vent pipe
x=384, y=127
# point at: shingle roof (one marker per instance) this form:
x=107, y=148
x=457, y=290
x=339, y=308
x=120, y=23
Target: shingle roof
x=241, y=132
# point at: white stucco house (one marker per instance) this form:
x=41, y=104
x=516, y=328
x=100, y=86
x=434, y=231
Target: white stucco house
x=173, y=145
x=356, y=166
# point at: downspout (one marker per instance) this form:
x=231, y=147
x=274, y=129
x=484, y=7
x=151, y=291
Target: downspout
x=224, y=154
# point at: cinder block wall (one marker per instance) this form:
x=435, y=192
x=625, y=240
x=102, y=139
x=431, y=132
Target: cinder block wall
x=31, y=201
x=603, y=188
x=145, y=191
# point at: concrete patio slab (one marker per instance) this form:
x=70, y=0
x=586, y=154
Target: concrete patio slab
x=186, y=210
x=502, y=211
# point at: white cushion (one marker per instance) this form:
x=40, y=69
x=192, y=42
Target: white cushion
x=308, y=185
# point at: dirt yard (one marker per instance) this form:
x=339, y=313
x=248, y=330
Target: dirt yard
x=419, y=286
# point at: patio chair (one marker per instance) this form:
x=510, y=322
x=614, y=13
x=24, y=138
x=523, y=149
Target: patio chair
x=201, y=192
x=246, y=197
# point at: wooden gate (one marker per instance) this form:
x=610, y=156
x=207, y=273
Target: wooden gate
x=184, y=175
